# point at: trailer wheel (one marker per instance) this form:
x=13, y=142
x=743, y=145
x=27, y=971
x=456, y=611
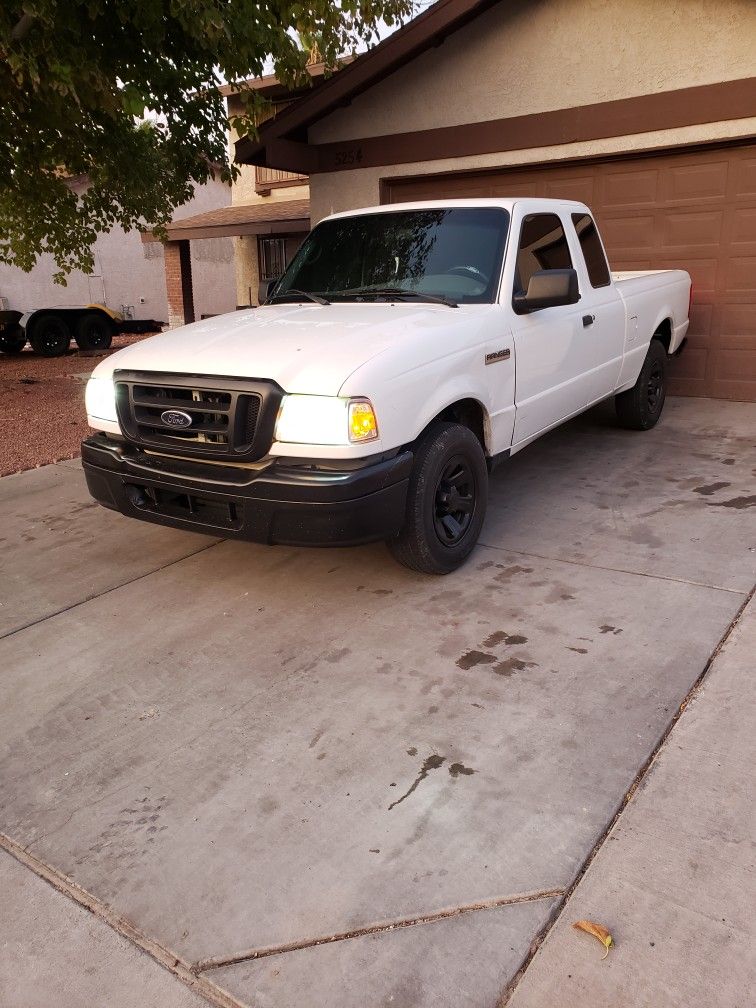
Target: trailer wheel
x=50, y=336
x=12, y=338
x=94, y=332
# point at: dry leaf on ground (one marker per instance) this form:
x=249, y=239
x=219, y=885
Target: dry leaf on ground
x=598, y=931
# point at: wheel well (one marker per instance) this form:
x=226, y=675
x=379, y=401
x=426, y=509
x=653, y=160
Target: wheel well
x=470, y=414
x=664, y=333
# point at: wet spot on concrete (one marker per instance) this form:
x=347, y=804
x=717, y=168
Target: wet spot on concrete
x=739, y=503
x=375, y=850
x=507, y=572
x=509, y=666
x=336, y=656
x=412, y=751
x=384, y=668
x=322, y=755
x=578, y=650
x=433, y=709
x=478, y=705
x=485, y=565
x=606, y=628
x=710, y=488
x=316, y=738
x=502, y=637
x=495, y=638
x=433, y=762
x=728, y=461
x=459, y=770
x=383, y=591
x=268, y=805
x=472, y=658
x=642, y=535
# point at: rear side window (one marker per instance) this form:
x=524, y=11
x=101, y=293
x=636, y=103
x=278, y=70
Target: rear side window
x=593, y=253
x=543, y=246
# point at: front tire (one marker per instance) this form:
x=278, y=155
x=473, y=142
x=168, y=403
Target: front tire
x=640, y=407
x=446, y=501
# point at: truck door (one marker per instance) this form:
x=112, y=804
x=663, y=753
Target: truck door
x=601, y=343
x=549, y=363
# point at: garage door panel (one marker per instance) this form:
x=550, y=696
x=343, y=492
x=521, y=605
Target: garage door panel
x=693, y=210
x=744, y=176
x=743, y=229
x=697, y=181
x=741, y=274
x=578, y=189
x=630, y=188
x=625, y=234
x=696, y=229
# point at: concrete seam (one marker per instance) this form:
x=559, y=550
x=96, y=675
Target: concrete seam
x=614, y=570
x=381, y=928
x=561, y=908
x=175, y=965
x=107, y=591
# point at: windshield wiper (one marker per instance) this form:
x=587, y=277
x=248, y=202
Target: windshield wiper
x=401, y=292
x=298, y=294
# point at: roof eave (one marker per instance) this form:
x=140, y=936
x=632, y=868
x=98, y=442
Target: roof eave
x=423, y=32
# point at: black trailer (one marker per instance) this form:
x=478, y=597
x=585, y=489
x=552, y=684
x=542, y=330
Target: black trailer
x=50, y=330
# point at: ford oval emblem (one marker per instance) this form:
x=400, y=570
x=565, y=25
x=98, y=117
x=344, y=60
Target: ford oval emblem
x=176, y=418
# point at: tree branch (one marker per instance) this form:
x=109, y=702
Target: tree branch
x=23, y=27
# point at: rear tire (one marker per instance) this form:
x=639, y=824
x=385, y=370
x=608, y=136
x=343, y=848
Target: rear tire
x=641, y=406
x=446, y=501
x=94, y=332
x=51, y=336
x=12, y=339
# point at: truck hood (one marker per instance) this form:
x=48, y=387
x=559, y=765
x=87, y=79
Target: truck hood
x=305, y=348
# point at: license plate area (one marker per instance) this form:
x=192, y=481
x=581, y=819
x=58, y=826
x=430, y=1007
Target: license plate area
x=218, y=512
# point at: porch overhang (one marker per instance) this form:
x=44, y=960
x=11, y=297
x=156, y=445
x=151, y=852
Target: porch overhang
x=284, y=217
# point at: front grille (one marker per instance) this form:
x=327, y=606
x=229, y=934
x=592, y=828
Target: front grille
x=228, y=417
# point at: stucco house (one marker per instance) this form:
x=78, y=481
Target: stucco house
x=644, y=109
x=267, y=218
x=129, y=274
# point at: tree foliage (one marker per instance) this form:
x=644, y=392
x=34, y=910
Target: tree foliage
x=125, y=93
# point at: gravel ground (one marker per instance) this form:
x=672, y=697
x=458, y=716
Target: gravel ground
x=42, y=405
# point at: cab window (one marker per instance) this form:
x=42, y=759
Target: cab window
x=543, y=246
x=593, y=253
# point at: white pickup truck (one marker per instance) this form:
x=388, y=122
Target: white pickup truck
x=405, y=351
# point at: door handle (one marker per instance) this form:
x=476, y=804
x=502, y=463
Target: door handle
x=588, y=320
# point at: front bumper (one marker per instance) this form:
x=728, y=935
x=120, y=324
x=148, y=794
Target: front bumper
x=277, y=502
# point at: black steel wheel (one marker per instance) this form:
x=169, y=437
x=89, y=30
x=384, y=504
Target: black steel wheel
x=12, y=338
x=50, y=336
x=640, y=407
x=446, y=501
x=454, y=503
x=94, y=332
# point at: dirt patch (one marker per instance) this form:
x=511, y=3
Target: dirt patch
x=42, y=406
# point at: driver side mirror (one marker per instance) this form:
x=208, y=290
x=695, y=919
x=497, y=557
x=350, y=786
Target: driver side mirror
x=548, y=289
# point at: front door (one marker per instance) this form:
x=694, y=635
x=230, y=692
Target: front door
x=549, y=364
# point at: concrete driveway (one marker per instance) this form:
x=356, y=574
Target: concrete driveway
x=312, y=777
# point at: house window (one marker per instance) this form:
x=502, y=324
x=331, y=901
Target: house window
x=272, y=258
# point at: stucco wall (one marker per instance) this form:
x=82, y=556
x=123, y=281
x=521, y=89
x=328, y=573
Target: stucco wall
x=530, y=56
x=526, y=56
x=126, y=269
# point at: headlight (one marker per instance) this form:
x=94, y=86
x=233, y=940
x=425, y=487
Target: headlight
x=100, y=399
x=325, y=420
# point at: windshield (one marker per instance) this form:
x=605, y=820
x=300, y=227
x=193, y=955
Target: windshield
x=452, y=253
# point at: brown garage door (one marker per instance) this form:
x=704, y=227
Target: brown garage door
x=695, y=210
